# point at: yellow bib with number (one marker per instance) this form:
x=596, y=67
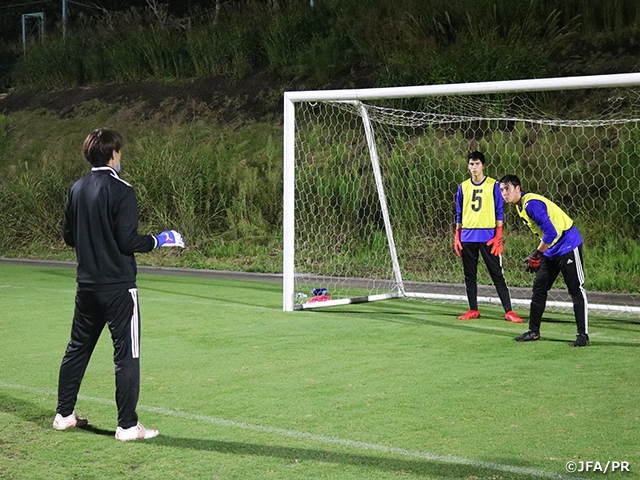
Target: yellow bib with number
x=478, y=205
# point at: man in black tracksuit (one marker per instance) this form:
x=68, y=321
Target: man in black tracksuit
x=101, y=223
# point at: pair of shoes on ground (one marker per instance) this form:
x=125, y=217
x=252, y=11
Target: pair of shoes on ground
x=510, y=316
x=582, y=339
x=137, y=432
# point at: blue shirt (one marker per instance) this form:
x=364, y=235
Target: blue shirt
x=569, y=239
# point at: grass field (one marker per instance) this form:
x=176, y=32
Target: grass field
x=240, y=389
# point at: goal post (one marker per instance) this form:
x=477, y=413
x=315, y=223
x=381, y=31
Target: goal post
x=368, y=187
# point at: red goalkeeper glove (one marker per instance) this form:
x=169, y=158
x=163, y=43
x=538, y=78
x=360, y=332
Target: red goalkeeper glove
x=457, y=244
x=532, y=262
x=496, y=242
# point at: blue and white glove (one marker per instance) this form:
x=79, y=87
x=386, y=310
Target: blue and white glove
x=169, y=238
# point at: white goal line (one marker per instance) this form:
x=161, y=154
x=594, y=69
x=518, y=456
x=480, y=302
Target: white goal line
x=458, y=298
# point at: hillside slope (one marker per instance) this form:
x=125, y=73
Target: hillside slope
x=259, y=96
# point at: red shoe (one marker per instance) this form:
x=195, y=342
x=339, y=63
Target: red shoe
x=512, y=316
x=470, y=315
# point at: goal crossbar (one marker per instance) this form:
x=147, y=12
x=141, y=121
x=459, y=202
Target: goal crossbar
x=472, y=88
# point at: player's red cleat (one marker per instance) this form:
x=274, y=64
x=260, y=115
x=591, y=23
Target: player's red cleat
x=470, y=315
x=512, y=316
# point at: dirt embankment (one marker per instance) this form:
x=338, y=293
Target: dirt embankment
x=252, y=98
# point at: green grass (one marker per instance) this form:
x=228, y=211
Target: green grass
x=393, y=42
x=240, y=389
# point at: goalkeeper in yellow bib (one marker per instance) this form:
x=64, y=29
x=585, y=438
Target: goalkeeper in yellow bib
x=560, y=250
x=479, y=218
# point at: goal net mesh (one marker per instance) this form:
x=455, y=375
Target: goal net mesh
x=590, y=167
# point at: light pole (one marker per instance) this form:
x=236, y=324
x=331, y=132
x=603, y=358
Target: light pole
x=64, y=18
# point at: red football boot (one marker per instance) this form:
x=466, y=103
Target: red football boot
x=512, y=316
x=470, y=315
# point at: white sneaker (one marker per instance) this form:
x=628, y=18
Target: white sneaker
x=62, y=423
x=137, y=432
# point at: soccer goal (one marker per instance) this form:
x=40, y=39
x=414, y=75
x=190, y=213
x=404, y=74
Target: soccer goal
x=370, y=178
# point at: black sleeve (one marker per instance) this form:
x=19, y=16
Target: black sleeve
x=68, y=228
x=125, y=218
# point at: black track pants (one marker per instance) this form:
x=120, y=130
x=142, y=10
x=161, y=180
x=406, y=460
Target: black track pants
x=571, y=267
x=119, y=310
x=470, y=254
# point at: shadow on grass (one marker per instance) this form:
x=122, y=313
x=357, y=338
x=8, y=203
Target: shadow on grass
x=26, y=411
x=432, y=468
x=34, y=413
x=418, y=316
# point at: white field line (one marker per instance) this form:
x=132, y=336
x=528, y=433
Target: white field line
x=450, y=459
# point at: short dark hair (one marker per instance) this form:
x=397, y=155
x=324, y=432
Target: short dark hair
x=100, y=144
x=512, y=179
x=476, y=156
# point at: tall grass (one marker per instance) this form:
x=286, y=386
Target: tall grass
x=400, y=42
x=215, y=185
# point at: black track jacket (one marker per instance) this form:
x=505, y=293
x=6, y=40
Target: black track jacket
x=101, y=223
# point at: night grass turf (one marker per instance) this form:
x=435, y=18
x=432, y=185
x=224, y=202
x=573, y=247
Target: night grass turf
x=240, y=389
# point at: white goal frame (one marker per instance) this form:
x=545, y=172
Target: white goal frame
x=354, y=95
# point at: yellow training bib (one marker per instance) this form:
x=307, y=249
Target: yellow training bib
x=478, y=204
x=560, y=220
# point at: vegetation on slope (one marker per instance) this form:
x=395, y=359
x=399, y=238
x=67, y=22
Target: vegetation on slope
x=210, y=166
x=390, y=42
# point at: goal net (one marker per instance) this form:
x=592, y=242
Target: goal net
x=370, y=178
